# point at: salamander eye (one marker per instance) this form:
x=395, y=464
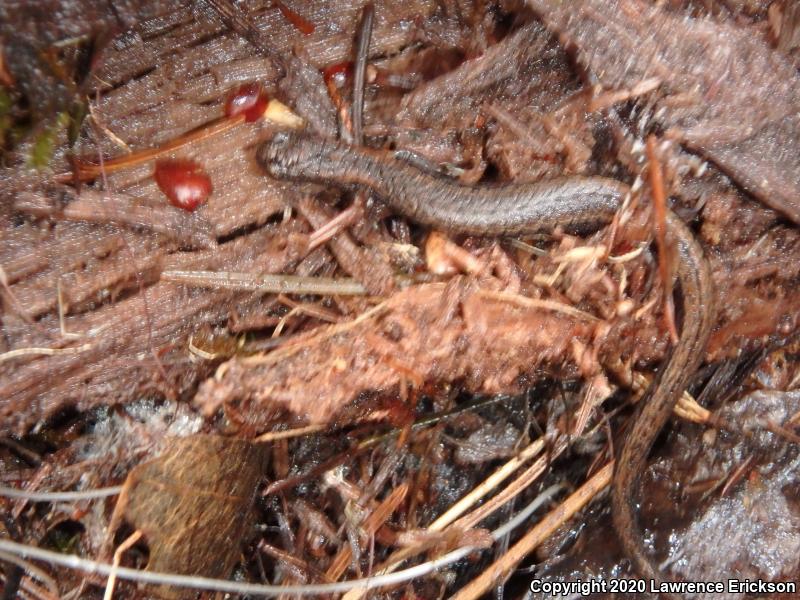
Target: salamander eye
x=280, y=140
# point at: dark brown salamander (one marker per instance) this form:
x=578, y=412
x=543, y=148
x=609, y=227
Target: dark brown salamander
x=438, y=201
x=507, y=209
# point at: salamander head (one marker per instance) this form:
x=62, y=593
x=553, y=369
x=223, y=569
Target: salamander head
x=290, y=155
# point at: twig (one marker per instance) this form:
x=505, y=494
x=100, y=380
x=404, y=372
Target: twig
x=334, y=226
x=38, y=351
x=622, y=258
x=291, y=348
x=268, y=284
x=310, y=309
x=606, y=99
x=362, y=52
x=660, y=226
x=537, y=303
x=273, y=436
x=426, y=421
x=102, y=127
x=737, y=475
x=60, y=496
x=519, y=484
x=32, y=570
x=503, y=566
x=512, y=490
x=687, y=408
x=371, y=525
x=62, y=325
x=112, y=577
x=525, y=247
x=12, y=298
x=72, y=561
x=488, y=484
x=199, y=352
x=499, y=533
x=28, y=590
x=276, y=333
x=29, y=455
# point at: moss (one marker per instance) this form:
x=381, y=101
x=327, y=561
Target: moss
x=5, y=115
x=45, y=141
x=78, y=114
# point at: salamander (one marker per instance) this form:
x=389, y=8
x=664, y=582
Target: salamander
x=513, y=209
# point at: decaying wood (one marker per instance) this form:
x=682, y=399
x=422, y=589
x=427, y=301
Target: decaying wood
x=167, y=76
x=117, y=346
x=715, y=82
x=121, y=334
x=427, y=333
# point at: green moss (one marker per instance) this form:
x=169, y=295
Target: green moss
x=64, y=539
x=5, y=114
x=78, y=114
x=45, y=141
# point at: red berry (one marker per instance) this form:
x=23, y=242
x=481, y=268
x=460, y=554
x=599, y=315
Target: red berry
x=184, y=182
x=342, y=68
x=248, y=99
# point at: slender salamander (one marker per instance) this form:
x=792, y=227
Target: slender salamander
x=509, y=209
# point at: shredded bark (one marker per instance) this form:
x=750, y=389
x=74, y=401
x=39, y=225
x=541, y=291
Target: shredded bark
x=713, y=82
x=124, y=349
x=423, y=334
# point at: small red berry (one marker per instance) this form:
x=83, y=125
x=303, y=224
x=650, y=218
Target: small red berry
x=184, y=182
x=342, y=68
x=248, y=99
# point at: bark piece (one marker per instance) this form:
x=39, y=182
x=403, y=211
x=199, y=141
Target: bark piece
x=520, y=65
x=729, y=96
x=422, y=334
x=113, y=359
